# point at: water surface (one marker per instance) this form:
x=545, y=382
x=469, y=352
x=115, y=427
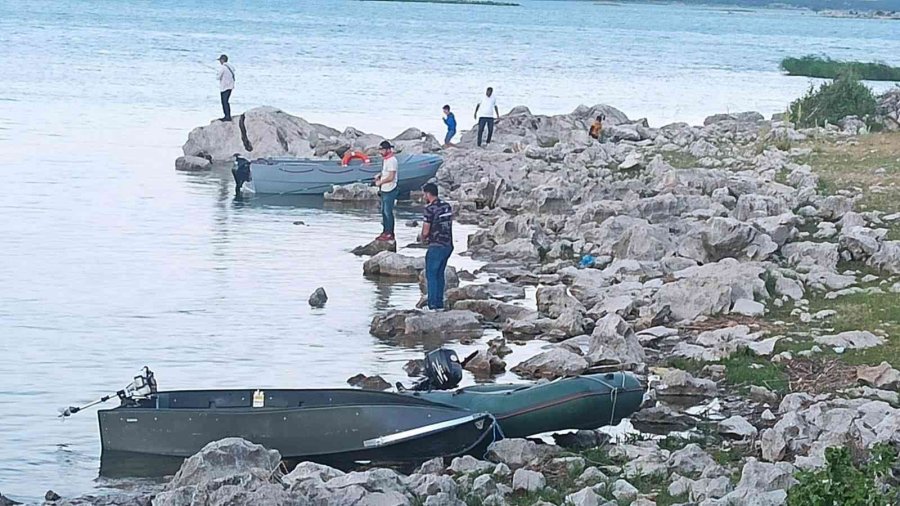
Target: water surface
x=111, y=260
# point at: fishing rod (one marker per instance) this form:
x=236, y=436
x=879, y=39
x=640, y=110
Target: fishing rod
x=143, y=386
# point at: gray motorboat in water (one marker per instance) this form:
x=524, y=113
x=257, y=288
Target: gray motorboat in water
x=303, y=176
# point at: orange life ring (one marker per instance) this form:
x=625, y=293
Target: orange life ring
x=350, y=155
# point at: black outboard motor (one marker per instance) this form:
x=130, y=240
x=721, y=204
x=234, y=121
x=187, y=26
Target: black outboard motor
x=442, y=371
x=241, y=173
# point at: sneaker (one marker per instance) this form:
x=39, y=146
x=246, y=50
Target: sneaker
x=383, y=237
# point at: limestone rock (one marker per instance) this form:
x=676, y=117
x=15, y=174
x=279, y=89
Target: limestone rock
x=394, y=265
x=223, y=458
x=614, y=341
x=551, y=364
x=517, y=453
x=484, y=363
x=880, y=376
x=748, y=307
x=737, y=427
x=374, y=248
x=528, y=481
x=853, y=339
x=675, y=382
x=355, y=192
x=318, y=298
x=192, y=163
x=454, y=324
x=369, y=382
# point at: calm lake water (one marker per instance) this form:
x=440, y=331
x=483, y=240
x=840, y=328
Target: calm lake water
x=111, y=260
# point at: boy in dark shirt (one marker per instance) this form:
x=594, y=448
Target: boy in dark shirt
x=437, y=233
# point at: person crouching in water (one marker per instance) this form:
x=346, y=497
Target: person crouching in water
x=597, y=127
x=241, y=173
x=387, y=186
x=437, y=233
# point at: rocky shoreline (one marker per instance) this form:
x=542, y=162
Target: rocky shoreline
x=681, y=253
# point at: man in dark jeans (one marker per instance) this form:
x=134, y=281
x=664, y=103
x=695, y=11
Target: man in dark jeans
x=226, y=84
x=484, y=113
x=437, y=233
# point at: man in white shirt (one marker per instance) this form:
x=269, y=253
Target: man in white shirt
x=487, y=108
x=387, y=185
x=226, y=84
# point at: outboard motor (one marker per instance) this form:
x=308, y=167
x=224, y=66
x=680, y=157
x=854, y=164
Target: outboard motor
x=241, y=173
x=442, y=371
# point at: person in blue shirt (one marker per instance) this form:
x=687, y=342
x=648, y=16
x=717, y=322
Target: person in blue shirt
x=450, y=121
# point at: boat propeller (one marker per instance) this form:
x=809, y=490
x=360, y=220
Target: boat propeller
x=143, y=386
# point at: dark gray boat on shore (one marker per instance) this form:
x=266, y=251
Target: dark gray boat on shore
x=303, y=176
x=337, y=427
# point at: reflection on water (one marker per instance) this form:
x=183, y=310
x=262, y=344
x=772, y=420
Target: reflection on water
x=174, y=273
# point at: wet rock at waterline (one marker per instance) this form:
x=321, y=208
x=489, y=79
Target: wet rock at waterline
x=375, y=247
x=484, y=363
x=318, y=298
x=394, y=265
x=356, y=192
x=192, y=163
x=454, y=324
x=369, y=382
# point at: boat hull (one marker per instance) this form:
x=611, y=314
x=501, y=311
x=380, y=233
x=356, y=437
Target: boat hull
x=581, y=402
x=298, y=176
x=336, y=427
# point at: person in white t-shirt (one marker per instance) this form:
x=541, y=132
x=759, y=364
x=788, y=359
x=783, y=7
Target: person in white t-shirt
x=226, y=84
x=485, y=114
x=387, y=185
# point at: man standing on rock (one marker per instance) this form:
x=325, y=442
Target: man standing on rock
x=387, y=186
x=226, y=84
x=487, y=108
x=437, y=233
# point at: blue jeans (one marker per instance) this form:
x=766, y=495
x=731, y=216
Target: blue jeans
x=435, y=265
x=449, y=136
x=485, y=122
x=388, y=199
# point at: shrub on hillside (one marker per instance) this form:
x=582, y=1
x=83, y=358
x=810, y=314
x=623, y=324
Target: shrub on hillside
x=845, y=96
x=847, y=483
x=817, y=66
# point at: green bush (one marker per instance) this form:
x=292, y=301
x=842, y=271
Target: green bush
x=847, y=483
x=817, y=66
x=845, y=96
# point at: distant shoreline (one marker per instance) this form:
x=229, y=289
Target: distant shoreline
x=491, y=3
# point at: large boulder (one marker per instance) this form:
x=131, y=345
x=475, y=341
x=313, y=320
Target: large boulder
x=223, y=458
x=356, y=192
x=710, y=289
x=614, y=342
x=192, y=163
x=230, y=471
x=554, y=363
x=394, y=265
x=269, y=132
x=455, y=324
x=517, y=453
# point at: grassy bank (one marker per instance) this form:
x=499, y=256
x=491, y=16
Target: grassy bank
x=817, y=66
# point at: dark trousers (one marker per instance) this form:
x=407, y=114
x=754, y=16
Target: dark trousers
x=226, y=107
x=482, y=122
x=388, y=200
x=435, y=264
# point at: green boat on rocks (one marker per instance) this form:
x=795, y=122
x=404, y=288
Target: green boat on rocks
x=589, y=401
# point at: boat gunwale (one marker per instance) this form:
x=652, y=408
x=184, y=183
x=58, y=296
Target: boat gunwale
x=555, y=402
